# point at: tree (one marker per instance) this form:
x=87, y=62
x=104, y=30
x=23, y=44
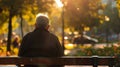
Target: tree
x=12, y=8
x=82, y=13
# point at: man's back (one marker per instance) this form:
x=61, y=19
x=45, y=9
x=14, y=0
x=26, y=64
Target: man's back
x=40, y=43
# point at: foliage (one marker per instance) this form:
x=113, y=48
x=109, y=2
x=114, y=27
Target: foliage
x=3, y=22
x=118, y=4
x=27, y=8
x=90, y=51
x=113, y=24
x=82, y=13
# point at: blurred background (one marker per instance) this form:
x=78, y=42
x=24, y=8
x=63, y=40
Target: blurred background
x=84, y=27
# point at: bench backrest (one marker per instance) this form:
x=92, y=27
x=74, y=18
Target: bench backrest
x=66, y=60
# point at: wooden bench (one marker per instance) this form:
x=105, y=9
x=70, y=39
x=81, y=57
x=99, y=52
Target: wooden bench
x=66, y=60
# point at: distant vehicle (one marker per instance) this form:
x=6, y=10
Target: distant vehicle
x=84, y=40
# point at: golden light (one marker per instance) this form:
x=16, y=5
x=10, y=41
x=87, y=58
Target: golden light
x=107, y=18
x=66, y=52
x=59, y=3
x=42, y=14
x=1, y=41
x=70, y=46
x=78, y=9
x=65, y=37
x=101, y=21
x=86, y=28
x=76, y=33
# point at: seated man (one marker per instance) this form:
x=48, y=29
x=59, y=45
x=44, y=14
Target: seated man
x=40, y=42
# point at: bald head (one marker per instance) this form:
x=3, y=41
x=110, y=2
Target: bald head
x=42, y=21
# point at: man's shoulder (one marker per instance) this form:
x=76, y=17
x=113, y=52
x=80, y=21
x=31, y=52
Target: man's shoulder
x=53, y=35
x=28, y=34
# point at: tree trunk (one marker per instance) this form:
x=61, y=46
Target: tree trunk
x=9, y=32
x=21, y=25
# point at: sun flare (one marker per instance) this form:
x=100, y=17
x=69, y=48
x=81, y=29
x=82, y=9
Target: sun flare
x=59, y=3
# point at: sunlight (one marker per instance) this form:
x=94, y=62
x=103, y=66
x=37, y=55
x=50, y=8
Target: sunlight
x=70, y=46
x=59, y=3
x=41, y=14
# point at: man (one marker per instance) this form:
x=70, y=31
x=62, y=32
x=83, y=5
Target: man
x=40, y=42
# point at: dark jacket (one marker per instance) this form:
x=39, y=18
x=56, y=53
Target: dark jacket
x=40, y=43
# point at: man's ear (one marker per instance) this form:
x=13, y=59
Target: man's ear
x=47, y=27
x=36, y=25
